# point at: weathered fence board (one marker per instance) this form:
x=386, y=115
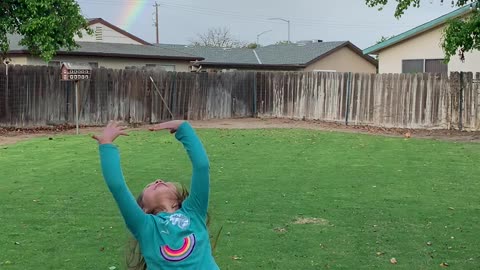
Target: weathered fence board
x=468, y=85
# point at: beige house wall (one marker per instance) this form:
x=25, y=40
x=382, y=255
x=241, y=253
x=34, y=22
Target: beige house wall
x=343, y=60
x=116, y=63
x=424, y=46
x=107, y=35
x=471, y=63
x=18, y=60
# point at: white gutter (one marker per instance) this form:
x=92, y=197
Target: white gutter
x=258, y=58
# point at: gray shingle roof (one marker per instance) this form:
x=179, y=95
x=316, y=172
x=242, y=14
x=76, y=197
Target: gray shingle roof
x=114, y=49
x=129, y=49
x=279, y=54
x=215, y=54
x=295, y=53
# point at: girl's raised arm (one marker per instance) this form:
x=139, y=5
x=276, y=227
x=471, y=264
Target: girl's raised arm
x=133, y=215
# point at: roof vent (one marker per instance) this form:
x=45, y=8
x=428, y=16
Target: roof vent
x=310, y=41
x=98, y=33
x=303, y=42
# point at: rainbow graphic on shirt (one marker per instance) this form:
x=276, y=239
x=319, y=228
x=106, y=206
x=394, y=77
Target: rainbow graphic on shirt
x=176, y=255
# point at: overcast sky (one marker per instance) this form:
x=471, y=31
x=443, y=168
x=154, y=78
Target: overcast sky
x=328, y=20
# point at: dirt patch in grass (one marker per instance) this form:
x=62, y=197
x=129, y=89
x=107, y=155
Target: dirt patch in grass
x=304, y=220
x=280, y=230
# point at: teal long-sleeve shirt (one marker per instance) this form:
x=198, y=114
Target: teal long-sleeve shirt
x=177, y=240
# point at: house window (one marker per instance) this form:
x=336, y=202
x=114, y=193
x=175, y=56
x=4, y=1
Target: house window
x=167, y=67
x=412, y=66
x=163, y=67
x=435, y=66
x=424, y=65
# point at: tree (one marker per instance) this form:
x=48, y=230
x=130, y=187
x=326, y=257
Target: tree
x=46, y=26
x=252, y=46
x=461, y=35
x=383, y=38
x=282, y=42
x=218, y=37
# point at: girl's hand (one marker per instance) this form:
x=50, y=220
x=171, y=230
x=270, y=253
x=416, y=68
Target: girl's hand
x=170, y=125
x=110, y=133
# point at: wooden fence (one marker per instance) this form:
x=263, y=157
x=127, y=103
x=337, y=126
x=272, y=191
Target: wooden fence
x=35, y=96
x=385, y=100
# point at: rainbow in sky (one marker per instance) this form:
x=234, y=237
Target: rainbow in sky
x=131, y=11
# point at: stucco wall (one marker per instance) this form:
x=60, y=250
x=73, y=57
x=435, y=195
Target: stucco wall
x=343, y=60
x=18, y=60
x=471, y=63
x=115, y=63
x=107, y=35
x=424, y=46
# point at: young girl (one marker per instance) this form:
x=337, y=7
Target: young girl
x=171, y=231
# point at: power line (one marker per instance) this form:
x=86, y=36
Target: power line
x=259, y=18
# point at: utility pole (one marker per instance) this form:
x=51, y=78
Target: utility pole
x=156, y=20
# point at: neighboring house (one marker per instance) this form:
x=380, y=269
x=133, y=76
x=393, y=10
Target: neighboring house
x=314, y=55
x=109, y=47
x=419, y=49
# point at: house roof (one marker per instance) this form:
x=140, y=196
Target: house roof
x=305, y=53
x=216, y=54
x=295, y=55
x=92, y=21
x=418, y=30
x=256, y=66
x=112, y=50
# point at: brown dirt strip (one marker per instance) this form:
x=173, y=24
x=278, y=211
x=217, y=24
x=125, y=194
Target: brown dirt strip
x=11, y=136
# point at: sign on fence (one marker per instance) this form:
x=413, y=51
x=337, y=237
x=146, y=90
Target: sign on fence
x=75, y=71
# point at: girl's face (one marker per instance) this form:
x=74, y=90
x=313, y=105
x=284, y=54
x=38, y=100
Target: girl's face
x=160, y=196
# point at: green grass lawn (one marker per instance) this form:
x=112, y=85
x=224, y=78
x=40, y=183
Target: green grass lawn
x=370, y=198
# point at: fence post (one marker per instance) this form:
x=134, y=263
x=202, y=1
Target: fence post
x=460, y=103
x=254, y=94
x=349, y=91
x=175, y=96
x=6, y=94
x=6, y=86
x=7, y=110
